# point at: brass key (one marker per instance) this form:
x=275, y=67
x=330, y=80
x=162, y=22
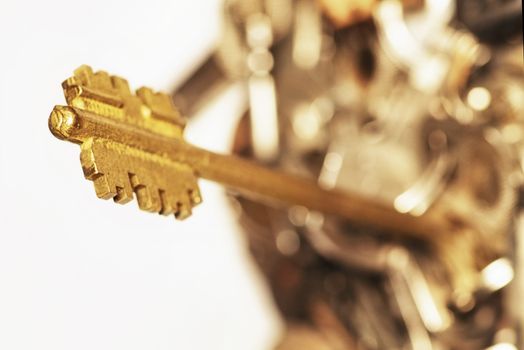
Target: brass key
x=133, y=144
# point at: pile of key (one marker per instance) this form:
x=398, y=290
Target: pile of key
x=379, y=163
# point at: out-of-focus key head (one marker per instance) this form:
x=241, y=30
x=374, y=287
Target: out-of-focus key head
x=110, y=96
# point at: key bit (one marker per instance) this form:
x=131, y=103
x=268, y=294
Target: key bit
x=133, y=144
x=118, y=170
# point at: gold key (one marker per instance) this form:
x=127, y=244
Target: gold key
x=133, y=144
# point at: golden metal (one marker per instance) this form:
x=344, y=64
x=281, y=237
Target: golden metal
x=133, y=143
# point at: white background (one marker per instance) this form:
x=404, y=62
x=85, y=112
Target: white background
x=80, y=273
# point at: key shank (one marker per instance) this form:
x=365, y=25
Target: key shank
x=76, y=125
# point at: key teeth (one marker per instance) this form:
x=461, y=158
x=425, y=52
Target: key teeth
x=121, y=85
x=183, y=211
x=90, y=171
x=83, y=75
x=107, y=188
x=180, y=206
x=104, y=189
x=101, y=80
x=150, y=98
x=148, y=198
x=87, y=159
x=123, y=195
x=166, y=208
x=134, y=173
x=161, y=201
x=145, y=95
x=161, y=105
x=185, y=203
x=194, y=196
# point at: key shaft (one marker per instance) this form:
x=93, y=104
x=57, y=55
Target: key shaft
x=77, y=125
